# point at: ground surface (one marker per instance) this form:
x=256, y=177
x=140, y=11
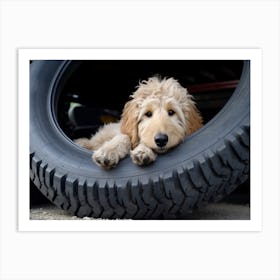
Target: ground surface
x=218, y=211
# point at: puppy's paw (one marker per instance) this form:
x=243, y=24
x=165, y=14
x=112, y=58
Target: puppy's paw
x=106, y=158
x=142, y=155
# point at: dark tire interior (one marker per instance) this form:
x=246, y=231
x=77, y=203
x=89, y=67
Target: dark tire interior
x=96, y=91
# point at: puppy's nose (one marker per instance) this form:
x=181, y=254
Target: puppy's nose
x=161, y=140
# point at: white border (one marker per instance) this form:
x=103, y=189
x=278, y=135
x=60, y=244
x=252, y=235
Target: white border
x=254, y=224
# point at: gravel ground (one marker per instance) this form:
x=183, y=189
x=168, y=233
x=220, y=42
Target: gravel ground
x=218, y=211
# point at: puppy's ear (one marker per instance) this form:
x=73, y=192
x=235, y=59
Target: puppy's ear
x=192, y=117
x=129, y=122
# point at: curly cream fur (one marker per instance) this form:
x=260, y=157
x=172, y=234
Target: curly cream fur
x=172, y=112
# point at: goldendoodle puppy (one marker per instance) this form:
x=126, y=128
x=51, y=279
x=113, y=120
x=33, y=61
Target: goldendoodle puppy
x=158, y=117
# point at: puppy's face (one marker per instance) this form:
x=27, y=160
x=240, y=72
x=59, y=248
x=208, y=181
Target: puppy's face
x=160, y=114
x=161, y=123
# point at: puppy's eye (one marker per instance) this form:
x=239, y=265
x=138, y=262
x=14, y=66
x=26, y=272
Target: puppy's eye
x=171, y=112
x=148, y=114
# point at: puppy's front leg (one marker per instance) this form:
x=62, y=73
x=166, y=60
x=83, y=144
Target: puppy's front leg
x=143, y=155
x=112, y=151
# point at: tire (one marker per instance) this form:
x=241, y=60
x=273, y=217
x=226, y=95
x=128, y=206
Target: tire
x=209, y=165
